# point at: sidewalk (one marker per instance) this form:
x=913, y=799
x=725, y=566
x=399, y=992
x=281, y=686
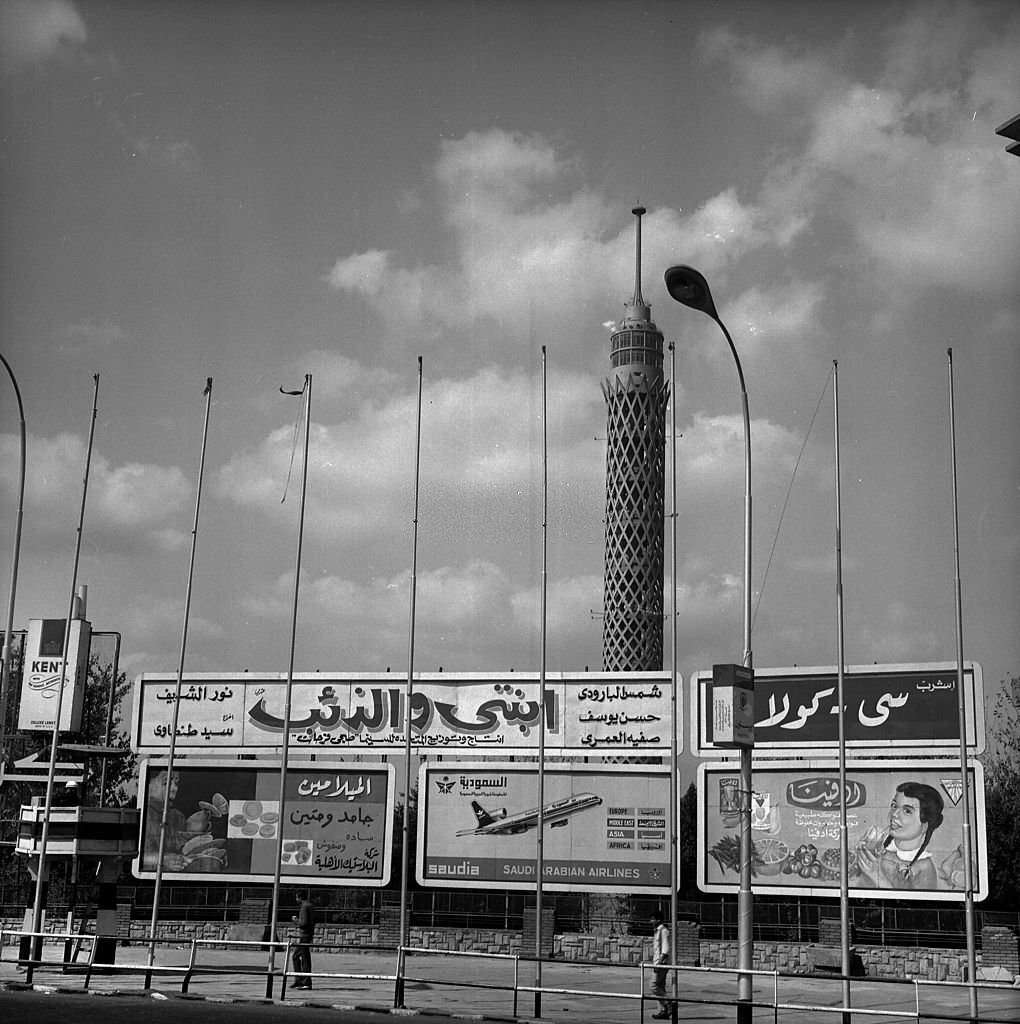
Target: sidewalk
x=481, y=988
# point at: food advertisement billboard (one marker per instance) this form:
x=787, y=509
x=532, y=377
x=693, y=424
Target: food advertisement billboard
x=914, y=707
x=605, y=829
x=225, y=824
x=476, y=713
x=904, y=828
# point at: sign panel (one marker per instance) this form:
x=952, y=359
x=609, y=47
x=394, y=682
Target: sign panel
x=225, y=821
x=911, y=707
x=585, y=713
x=606, y=829
x=44, y=674
x=904, y=829
x=78, y=831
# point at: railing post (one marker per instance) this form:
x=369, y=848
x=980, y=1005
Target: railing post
x=398, y=987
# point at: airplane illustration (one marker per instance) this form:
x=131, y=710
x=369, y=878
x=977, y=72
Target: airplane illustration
x=554, y=815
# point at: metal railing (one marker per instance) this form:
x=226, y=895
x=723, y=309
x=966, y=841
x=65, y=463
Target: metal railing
x=192, y=961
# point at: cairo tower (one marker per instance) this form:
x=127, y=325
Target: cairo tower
x=636, y=396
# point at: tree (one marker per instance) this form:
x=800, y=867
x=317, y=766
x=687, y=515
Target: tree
x=1002, y=797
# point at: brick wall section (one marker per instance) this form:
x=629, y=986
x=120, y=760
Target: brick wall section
x=1000, y=948
x=626, y=949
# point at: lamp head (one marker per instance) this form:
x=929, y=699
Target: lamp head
x=689, y=287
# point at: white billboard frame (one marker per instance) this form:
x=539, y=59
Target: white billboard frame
x=591, y=807
x=818, y=808
x=480, y=713
x=225, y=807
x=939, y=675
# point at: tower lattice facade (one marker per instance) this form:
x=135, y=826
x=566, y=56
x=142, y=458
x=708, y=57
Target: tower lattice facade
x=636, y=395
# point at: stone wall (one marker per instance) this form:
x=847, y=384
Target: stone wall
x=998, y=959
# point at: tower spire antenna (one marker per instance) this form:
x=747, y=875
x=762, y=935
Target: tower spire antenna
x=638, y=211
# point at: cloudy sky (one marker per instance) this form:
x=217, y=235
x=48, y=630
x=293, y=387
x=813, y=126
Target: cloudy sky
x=255, y=191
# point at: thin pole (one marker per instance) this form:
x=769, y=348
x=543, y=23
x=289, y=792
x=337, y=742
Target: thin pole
x=674, y=716
x=844, y=852
x=40, y=881
x=285, y=746
x=745, y=898
x=540, y=841
x=968, y=868
x=175, y=716
x=5, y=666
x=405, y=859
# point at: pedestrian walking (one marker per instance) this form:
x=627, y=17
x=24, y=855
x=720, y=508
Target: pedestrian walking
x=660, y=955
x=305, y=921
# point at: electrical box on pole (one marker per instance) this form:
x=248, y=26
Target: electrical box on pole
x=733, y=706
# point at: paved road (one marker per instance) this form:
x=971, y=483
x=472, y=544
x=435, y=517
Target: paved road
x=358, y=986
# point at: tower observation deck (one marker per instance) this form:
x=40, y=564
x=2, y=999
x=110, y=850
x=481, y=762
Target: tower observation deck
x=636, y=395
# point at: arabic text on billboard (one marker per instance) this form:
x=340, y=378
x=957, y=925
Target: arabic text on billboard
x=225, y=820
x=904, y=828
x=604, y=829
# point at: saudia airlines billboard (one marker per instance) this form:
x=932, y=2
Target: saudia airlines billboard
x=605, y=829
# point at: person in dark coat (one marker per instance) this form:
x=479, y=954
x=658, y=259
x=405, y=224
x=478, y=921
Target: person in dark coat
x=305, y=921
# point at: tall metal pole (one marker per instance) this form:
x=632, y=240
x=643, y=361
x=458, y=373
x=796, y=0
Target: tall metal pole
x=405, y=859
x=285, y=745
x=689, y=287
x=745, y=898
x=5, y=666
x=540, y=841
x=40, y=881
x=674, y=711
x=844, y=850
x=968, y=867
x=175, y=715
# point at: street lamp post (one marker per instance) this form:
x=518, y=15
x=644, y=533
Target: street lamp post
x=689, y=287
x=5, y=665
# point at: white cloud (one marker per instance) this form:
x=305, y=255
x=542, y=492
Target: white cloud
x=134, y=498
x=531, y=242
x=87, y=336
x=32, y=31
x=478, y=447
x=913, y=170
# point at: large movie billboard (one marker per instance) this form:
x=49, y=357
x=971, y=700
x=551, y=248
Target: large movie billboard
x=904, y=828
x=224, y=821
x=912, y=707
x=235, y=713
x=606, y=829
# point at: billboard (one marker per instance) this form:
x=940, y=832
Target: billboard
x=904, y=828
x=235, y=713
x=225, y=821
x=912, y=707
x=44, y=674
x=606, y=829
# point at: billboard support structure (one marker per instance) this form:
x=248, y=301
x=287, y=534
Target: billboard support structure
x=175, y=715
x=306, y=390
x=40, y=880
x=962, y=712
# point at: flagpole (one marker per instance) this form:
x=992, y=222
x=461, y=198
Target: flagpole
x=175, y=716
x=40, y=881
x=405, y=858
x=540, y=842
x=285, y=744
x=844, y=854
x=968, y=867
x=674, y=778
